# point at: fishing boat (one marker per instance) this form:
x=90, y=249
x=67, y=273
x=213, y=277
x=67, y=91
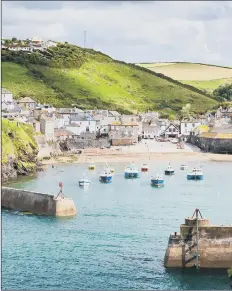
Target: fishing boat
x=131, y=171
x=84, y=182
x=169, y=170
x=183, y=167
x=105, y=176
x=196, y=174
x=144, y=168
x=158, y=181
x=92, y=166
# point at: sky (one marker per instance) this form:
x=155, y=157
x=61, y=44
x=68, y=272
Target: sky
x=131, y=31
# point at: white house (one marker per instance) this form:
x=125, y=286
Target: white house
x=172, y=131
x=187, y=126
x=47, y=127
x=59, y=121
x=7, y=100
x=27, y=102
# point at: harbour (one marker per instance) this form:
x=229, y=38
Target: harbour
x=121, y=229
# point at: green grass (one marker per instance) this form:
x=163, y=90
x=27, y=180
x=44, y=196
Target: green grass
x=18, y=79
x=209, y=86
x=101, y=82
x=18, y=142
x=202, y=76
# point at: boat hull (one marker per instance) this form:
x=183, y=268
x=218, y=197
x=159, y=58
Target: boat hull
x=194, y=177
x=183, y=168
x=169, y=173
x=144, y=169
x=105, y=179
x=131, y=175
x=157, y=183
x=84, y=184
x=91, y=168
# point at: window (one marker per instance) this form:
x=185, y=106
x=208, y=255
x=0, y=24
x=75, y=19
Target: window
x=185, y=124
x=87, y=128
x=193, y=124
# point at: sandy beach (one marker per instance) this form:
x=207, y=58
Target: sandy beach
x=144, y=151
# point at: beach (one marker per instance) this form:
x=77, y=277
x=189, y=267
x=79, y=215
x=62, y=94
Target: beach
x=144, y=151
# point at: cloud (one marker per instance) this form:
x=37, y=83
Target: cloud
x=141, y=31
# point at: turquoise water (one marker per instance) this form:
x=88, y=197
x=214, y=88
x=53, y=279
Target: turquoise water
x=119, y=237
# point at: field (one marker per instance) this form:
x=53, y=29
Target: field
x=89, y=79
x=204, y=77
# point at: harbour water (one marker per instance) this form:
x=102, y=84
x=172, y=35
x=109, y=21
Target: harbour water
x=119, y=236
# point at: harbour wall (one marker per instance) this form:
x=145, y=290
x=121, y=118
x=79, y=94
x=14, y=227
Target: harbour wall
x=214, y=246
x=214, y=145
x=37, y=203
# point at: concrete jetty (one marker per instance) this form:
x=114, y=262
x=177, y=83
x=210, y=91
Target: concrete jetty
x=199, y=244
x=37, y=203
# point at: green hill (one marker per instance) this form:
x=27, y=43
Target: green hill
x=68, y=75
x=19, y=149
x=202, y=76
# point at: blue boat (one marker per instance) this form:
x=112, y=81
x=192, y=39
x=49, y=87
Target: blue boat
x=131, y=172
x=196, y=174
x=169, y=170
x=106, y=176
x=158, y=181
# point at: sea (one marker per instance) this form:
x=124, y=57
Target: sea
x=118, y=239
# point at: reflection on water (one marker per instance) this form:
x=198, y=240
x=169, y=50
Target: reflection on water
x=119, y=236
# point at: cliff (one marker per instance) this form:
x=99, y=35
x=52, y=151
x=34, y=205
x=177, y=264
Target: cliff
x=19, y=149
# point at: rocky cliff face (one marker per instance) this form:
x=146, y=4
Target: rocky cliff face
x=19, y=150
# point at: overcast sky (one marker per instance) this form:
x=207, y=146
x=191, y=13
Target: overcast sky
x=141, y=31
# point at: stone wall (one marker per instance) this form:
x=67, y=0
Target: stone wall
x=214, y=246
x=123, y=141
x=88, y=143
x=37, y=203
x=214, y=145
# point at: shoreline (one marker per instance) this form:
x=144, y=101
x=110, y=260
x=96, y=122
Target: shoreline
x=104, y=156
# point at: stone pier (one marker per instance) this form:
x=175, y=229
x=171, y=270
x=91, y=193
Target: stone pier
x=37, y=203
x=214, y=246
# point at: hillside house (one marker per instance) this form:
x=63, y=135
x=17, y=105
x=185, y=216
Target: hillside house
x=85, y=122
x=187, y=126
x=47, y=127
x=7, y=101
x=62, y=134
x=27, y=102
x=122, y=134
x=172, y=131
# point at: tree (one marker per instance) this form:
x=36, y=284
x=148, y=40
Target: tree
x=14, y=39
x=223, y=92
x=186, y=112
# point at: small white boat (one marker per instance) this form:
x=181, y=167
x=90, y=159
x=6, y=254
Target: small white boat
x=84, y=182
x=196, y=174
x=183, y=167
x=169, y=170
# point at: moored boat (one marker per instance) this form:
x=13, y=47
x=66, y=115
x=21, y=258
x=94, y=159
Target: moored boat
x=92, y=166
x=106, y=176
x=196, y=174
x=169, y=170
x=183, y=167
x=144, y=168
x=131, y=172
x=84, y=182
x=158, y=181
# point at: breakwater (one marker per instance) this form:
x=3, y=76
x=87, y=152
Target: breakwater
x=37, y=203
x=213, y=145
x=199, y=244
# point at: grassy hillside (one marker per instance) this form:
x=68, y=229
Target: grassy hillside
x=204, y=77
x=19, y=149
x=95, y=81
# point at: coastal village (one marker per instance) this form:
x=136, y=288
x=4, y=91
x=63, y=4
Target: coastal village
x=80, y=129
x=103, y=161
